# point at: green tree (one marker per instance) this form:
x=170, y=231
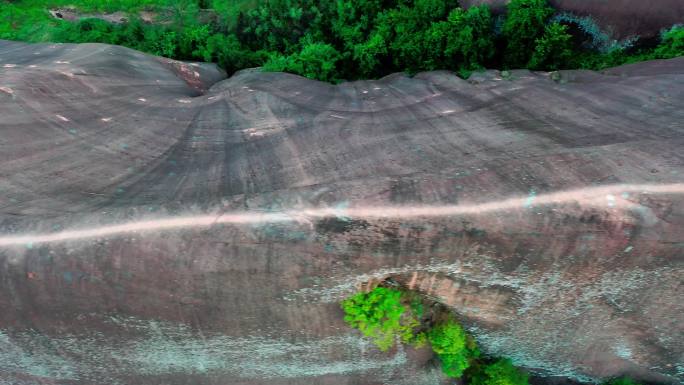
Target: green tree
x=500, y=372
x=450, y=343
x=318, y=61
x=229, y=54
x=192, y=42
x=183, y=13
x=525, y=23
x=471, y=41
x=354, y=20
x=279, y=25
x=161, y=42
x=621, y=381
x=672, y=44
x=370, y=55
x=553, y=50
x=315, y=61
x=381, y=315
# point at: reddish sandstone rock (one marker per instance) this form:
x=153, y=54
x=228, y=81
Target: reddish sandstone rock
x=181, y=236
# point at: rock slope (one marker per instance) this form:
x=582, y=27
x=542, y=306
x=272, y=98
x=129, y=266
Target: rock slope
x=161, y=225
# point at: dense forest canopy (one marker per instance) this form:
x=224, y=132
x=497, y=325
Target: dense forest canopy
x=338, y=39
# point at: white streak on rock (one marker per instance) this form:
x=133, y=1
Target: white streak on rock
x=588, y=197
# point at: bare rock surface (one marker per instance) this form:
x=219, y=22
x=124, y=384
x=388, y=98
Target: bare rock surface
x=159, y=226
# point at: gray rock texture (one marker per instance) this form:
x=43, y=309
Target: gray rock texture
x=159, y=225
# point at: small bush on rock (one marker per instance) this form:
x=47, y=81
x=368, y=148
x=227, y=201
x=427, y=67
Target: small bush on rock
x=381, y=315
x=450, y=343
x=499, y=372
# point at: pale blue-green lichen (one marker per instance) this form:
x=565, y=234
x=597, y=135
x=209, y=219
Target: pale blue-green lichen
x=600, y=40
x=166, y=349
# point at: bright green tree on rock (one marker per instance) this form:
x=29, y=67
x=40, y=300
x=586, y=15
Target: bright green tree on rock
x=500, y=372
x=453, y=347
x=380, y=315
x=525, y=23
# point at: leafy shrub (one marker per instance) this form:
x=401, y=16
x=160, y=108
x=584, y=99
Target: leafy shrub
x=672, y=43
x=553, y=50
x=192, y=41
x=525, y=23
x=370, y=55
x=621, y=381
x=279, y=25
x=500, y=372
x=230, y=54
x=380, y=315
x=471, y=41
x=450, y=342
x=315, y=61
x=161, y=43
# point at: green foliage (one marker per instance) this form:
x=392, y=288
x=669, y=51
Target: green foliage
x=91, y=30
x=553, y=50
x=371, y=55
x=105, y=6
x=192, y=41
x=417, y=306
x=471, y=38
x=387, y=315
x=499, y=372
x=380, y=315
x=161, y=43
x=315, y=61
x=229, y=53
x=525, y=23
x=621, y=381
x=413, y=45
x=279, y=25
x=672, y=44
x=228, y=12
x=449, y=341
x=339, y=39
x=182, y=13
x=18, y=22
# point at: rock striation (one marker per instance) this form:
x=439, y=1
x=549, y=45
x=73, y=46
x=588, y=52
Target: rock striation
x=162, y=224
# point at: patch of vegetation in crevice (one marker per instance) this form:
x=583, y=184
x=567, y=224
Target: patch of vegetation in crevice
x=390, y=314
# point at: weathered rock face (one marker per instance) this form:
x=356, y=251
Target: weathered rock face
x=152, y=233
x=621, y=19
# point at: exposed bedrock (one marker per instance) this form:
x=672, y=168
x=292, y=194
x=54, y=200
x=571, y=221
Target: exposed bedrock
x=157, y=229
